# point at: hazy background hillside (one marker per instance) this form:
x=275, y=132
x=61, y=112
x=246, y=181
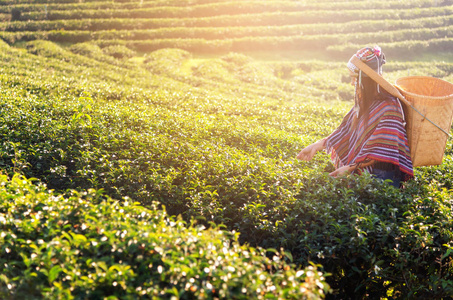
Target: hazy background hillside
x=334, y=29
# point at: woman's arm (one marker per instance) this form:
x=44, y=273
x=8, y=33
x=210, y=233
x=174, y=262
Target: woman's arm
x=351, y=168
x=309, y=152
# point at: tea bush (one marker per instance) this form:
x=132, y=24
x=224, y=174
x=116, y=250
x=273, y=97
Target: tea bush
x=166, y=61
x=92, y=51
x=120, y=52
x=373, y=238
x=84, y=245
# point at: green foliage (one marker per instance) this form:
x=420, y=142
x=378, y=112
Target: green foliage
x=236, y=59
x=120, y=52
x=92, y=51
x=16, y=14
x=166, y=61
x=85, y=245
x=45, y=48
x=371, y=237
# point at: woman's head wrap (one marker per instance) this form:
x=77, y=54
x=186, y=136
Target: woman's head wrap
x=373, y=57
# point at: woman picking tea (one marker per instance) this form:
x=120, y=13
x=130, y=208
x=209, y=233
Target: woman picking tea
x=372, y=136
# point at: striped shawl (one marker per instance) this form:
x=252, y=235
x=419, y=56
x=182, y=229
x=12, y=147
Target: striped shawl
x=383, y=138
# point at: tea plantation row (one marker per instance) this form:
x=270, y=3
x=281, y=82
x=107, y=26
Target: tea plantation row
x=265, y=19
x=295, y=29
x=214, y=140
x=312, y=44
x=304, y=14
x=210, y=8
x=233, y=37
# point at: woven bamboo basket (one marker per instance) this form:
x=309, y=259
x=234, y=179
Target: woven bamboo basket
x=433, y=98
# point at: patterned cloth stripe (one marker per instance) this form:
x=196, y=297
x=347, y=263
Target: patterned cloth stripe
x=382, y=138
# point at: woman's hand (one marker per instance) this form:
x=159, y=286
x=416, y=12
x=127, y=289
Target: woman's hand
x=342, y=171
x=309, y=152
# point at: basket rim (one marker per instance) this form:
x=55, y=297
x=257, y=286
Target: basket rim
x=424, y=96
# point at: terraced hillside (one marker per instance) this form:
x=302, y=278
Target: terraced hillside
x=152, y=103
x=333, y=28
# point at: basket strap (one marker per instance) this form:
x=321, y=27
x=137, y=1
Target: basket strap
x=388, y=86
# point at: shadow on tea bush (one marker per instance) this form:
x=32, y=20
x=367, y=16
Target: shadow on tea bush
x=374, y=239
x=84, y=245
